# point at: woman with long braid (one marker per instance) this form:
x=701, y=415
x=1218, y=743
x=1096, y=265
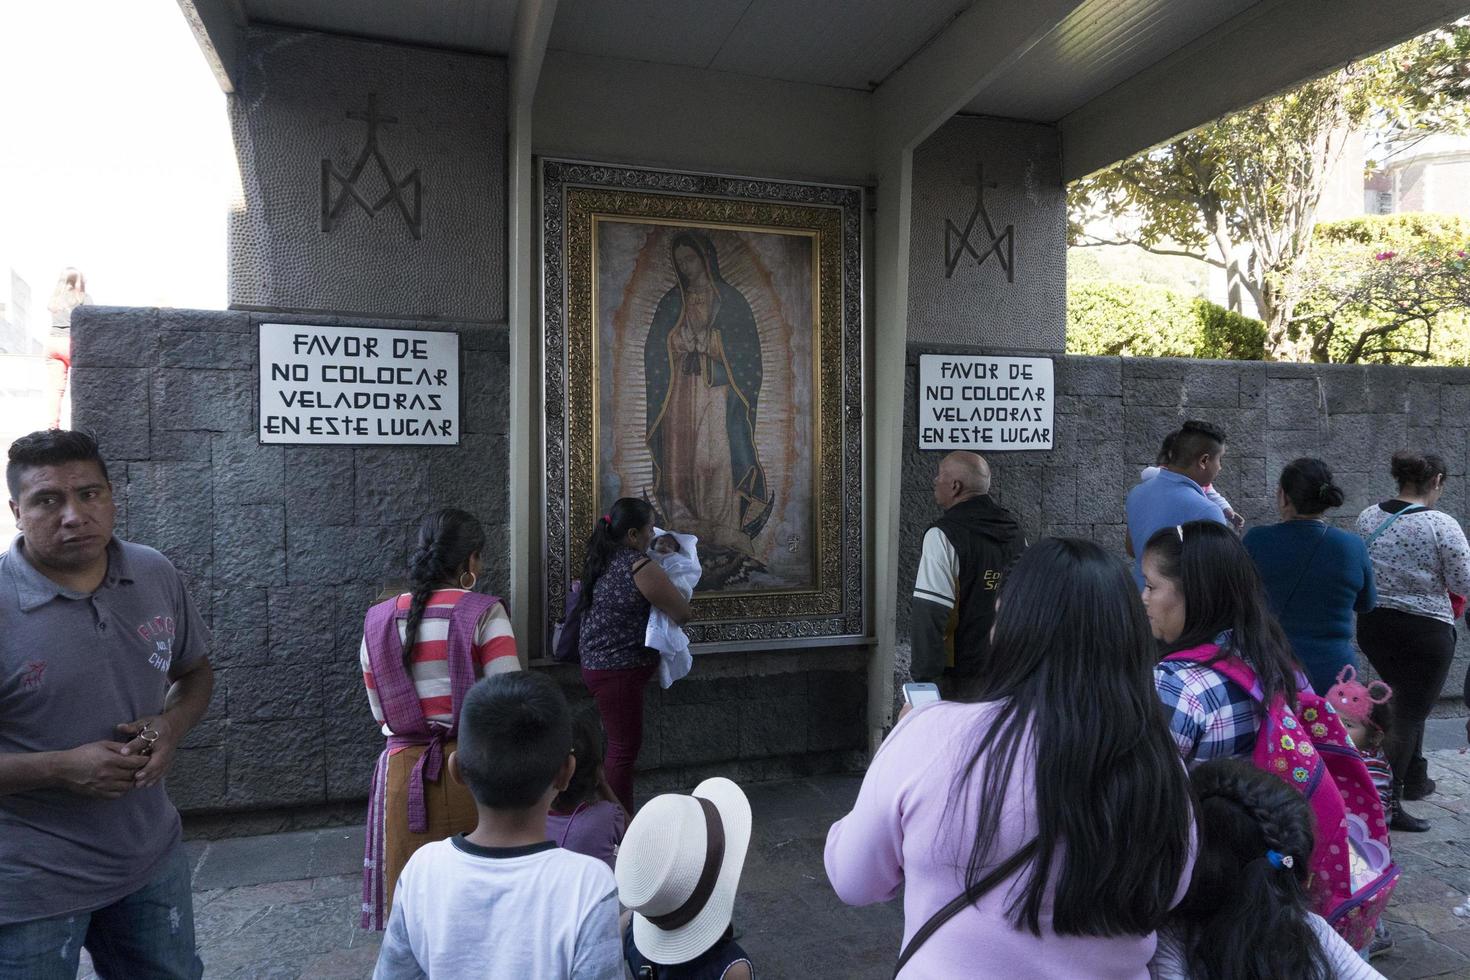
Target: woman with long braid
x=1246, y=915
x=421, y=652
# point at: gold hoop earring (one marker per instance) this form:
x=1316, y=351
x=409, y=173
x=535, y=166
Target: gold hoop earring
x=473, y=579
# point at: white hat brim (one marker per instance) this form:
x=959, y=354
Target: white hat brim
x=671, y=946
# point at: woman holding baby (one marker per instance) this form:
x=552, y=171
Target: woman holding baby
x=620, y=584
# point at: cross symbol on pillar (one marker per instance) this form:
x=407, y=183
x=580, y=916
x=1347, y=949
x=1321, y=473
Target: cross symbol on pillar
x=339, y=189
x=957, y=240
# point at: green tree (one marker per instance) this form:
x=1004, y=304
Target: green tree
x=1242, y=193
x=1389, y=289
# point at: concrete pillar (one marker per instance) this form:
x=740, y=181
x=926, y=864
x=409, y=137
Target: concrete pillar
x=532, y=30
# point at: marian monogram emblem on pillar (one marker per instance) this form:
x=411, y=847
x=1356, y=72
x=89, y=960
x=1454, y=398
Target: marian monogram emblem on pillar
x=339, y=189
x=957, y=242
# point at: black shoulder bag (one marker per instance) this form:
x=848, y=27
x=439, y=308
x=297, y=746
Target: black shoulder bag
x=970, y=896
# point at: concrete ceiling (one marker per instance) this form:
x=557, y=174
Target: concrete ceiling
x=852, y=44
x=470, y=25
x=1100, y=45
x=1116, y=75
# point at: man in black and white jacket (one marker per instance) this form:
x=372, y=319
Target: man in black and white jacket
x=966, y=554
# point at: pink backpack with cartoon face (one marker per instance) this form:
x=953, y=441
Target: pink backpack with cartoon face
x=1352, y=872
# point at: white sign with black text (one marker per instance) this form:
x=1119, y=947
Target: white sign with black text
x=985, y=403
x=358, y=385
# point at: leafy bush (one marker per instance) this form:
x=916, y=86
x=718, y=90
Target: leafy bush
x=1387, y=289
x=1141, y=320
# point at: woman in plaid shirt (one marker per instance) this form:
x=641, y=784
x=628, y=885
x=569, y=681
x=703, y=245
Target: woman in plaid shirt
x=1202, y=592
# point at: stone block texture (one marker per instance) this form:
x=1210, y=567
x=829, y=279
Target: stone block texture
x=282, y=547
x=750, y=716
x=1112, y=413
x=978, y=303
x=300, y=122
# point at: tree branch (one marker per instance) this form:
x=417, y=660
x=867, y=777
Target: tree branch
x=1093, y=241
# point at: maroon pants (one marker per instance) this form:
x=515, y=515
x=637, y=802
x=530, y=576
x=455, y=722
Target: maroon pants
x=619, y=697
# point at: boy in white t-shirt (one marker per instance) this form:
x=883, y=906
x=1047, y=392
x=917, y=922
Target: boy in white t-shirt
x=503, y=901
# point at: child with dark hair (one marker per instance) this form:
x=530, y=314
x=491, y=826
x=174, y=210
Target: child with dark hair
x=1246, y=915
x=503, y=901
x=678, y=555
x=586, y=817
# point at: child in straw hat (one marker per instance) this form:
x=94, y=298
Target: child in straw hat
x=678, y=871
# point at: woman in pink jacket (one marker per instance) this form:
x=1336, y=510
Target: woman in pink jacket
x=1060, y=783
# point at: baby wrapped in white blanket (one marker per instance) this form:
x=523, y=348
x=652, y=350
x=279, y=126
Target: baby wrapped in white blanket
x=678, y=556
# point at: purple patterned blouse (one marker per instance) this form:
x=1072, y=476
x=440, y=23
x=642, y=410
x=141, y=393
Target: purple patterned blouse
x=615, y=623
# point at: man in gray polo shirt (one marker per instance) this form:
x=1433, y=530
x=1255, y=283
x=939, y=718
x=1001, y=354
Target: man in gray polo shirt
x=102, y=673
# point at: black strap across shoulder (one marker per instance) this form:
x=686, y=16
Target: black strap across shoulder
x=1303, y=573
x=969, y=896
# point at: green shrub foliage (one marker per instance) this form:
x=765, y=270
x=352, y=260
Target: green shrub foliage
x=1141, y=320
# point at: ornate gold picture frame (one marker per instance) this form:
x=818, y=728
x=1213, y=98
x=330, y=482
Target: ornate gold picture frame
x=704, y=352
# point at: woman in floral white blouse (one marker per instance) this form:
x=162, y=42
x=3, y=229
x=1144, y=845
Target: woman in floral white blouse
x=1421, y=563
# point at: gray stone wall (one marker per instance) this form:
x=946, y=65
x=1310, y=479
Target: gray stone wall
x=981, y=305
x=302, y=99
x=283, y=547
x=1111, y=414
x=751, y=716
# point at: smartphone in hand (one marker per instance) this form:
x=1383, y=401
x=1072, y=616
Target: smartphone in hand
x=915, y=694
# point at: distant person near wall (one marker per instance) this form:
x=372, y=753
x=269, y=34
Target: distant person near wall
x=103, y=672
x=69, y=293
x=421, y=653
x=964, y=560
x=1316, y=576
x=1420, y=556
x=620, y=583
x=1176, y=495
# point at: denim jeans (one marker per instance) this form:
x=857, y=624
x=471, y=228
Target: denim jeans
x=150, y=934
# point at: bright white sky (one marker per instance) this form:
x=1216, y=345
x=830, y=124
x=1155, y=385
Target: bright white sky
x=115, y=154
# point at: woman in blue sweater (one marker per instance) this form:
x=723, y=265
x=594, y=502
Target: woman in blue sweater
x=1316, y=576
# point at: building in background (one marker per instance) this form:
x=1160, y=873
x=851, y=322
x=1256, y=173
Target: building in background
x=16, y=336
x=1432, y=176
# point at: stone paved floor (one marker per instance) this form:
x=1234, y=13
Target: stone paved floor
x=284, y=905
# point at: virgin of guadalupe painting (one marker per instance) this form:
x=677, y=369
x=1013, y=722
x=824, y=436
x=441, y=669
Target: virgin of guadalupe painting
x=706, y=355
x=702, y=370
x=704, y=397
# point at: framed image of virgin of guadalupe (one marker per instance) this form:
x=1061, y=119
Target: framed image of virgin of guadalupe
x=704, y=353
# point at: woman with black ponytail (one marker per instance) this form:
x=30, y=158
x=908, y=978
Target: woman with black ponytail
x=421, y=653
x=1316, y=576
x=620, y=583
x=1246, y=915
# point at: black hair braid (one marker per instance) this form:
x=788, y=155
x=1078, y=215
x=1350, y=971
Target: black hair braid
x=1281, y=827
x=447, y=538
x=1245, y=918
